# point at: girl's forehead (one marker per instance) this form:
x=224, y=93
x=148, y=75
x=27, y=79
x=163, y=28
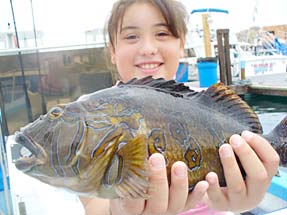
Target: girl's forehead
x=141, y=11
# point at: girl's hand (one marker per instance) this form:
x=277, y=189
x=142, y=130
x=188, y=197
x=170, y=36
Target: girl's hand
x=163, y=199
x=260, y=162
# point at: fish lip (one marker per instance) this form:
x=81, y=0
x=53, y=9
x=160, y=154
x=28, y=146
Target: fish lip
x=27, y=142
x=36, y=158
x=25, y=164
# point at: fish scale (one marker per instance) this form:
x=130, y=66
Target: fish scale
x=99, y=145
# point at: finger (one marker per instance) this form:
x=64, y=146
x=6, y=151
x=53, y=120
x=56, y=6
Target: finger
x=215, y=193
x=196, y=195
x=264, y=150
x=178, y=191
x=127, y=206
x=233, y=177
x=257, y=177
x=159, y=191
x=89, y=205
x=255, y=170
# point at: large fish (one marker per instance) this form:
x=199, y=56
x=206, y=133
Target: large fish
x=99, y=144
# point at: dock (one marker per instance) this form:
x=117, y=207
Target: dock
x=252, y=81
x=275, y=85
x=260, y=89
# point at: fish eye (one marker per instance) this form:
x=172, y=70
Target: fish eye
x=56, y=112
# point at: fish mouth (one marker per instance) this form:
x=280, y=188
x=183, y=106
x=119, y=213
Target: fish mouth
x=30, y=153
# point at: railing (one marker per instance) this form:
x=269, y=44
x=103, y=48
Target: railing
x=5, y=206
x=15, y=51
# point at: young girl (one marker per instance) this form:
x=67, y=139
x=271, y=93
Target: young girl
x=146, y=37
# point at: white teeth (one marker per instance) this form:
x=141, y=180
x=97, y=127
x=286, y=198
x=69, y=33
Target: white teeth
x=149, y=66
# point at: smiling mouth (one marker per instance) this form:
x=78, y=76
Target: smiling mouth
x=150, y=65
x=149, y=68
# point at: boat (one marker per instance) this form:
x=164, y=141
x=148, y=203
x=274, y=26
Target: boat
x=264, y=61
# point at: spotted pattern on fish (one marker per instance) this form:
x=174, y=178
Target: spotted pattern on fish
x=178, y=132
x=157, y=141
x=113, y=133
x=76, y=142
x=193, y=155
x=47, y=138
x=99, y=125
x=54, y=159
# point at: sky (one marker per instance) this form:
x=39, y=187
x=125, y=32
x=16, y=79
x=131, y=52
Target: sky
x=66, y=20
x=242, y=12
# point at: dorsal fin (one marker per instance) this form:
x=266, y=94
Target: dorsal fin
x=217, y=97
x=224, y=100
x=160, y=84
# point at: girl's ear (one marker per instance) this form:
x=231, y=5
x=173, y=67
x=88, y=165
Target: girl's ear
x=182, y=54
x=112, y=53
x=182, y=43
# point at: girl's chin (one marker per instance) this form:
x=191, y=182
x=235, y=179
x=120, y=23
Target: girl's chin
x=155, y=74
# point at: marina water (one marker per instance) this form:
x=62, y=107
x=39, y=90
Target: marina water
x=270, y=109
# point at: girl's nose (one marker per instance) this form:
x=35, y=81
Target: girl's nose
x=148, y=47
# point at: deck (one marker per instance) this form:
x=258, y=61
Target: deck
x=275, y=85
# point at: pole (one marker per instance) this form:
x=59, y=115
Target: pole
x=206, y=35
x=44, y=107
x=28, y=103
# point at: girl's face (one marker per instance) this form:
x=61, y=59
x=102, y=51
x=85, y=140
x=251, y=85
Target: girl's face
x=144, y=45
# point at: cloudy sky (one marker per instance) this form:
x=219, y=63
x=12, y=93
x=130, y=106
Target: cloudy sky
x=66, y=20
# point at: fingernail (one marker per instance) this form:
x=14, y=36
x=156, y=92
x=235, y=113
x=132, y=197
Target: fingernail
x=180, y=171
x=226, y=151
x=157, y=162
x=212, y=181
x=236, y=141
x=204, y=187
x=247, y=135
x=211, y=178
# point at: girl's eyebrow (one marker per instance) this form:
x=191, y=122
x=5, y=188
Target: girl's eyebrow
x=129, y=27
x=161, y=24
x=132, y=27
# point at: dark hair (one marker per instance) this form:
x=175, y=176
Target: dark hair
x=173, y=12
x=271, y=32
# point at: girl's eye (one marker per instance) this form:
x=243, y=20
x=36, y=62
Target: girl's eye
x=161, y=34
x=131, y=37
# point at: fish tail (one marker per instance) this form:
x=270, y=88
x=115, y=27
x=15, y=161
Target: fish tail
x=278, y=139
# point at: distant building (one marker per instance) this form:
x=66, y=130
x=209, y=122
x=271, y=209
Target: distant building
x=280, y=31
x=26, y=39
x=95, y=36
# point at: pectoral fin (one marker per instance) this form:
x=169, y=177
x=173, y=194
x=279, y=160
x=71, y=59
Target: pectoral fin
x=132, y=168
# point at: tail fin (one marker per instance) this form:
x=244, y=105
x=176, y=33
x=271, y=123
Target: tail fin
x=278, y=139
